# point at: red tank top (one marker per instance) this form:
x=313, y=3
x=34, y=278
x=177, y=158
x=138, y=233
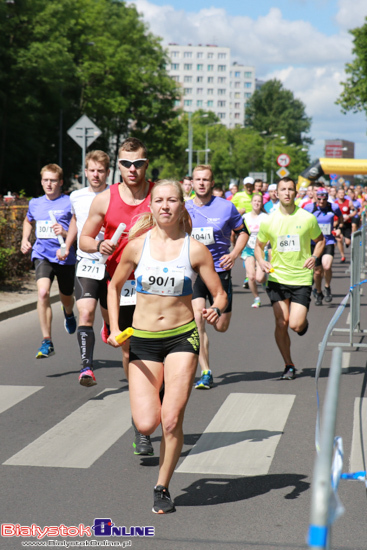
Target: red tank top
x=345, y=208
x=120, y=212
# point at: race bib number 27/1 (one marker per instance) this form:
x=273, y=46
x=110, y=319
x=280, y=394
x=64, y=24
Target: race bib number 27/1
x=90, y=269
x=288, y=243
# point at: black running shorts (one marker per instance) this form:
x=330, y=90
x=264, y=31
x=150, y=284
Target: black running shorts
x=64, y=274
x=201, y=290
x=278, y=292
x=155, y=346
x=91, y=288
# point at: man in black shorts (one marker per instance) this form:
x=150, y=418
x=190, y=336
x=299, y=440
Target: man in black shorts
x=324, y=212
x=289, y=230
x=213, y=220
x=91, y=276
x=44, y=250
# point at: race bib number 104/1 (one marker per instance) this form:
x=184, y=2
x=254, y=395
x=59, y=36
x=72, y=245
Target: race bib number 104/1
x=204, y=235
x=288, y=243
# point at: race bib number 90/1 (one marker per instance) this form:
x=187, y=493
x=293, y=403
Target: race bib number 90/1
x=288, y=243
x=128, y=294
x=90, y=269
x=204, y=235
x=44, y=230
x=164, y=281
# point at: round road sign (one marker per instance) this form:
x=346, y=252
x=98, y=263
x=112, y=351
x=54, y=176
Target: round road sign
x=283, y=160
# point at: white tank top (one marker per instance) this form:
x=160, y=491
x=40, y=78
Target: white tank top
x=173, y=278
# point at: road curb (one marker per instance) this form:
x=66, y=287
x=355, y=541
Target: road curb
x=23, y=307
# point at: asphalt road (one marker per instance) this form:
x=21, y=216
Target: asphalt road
x=244, y=476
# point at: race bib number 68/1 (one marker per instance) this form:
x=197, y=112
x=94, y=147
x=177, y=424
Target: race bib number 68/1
x=288, y=243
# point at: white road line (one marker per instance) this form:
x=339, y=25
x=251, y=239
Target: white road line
x=11, y=395
x=359, y=438
x=81, y=438
x=242, y=437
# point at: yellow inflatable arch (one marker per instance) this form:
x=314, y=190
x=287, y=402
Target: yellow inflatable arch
x=325, y=166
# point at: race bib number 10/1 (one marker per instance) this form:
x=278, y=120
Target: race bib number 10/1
x=204, y=235
x=288, y=243
x=44, y=230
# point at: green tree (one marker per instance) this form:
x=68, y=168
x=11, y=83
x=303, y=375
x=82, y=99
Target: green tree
x=63, y=58
x=274, y=110
x=354, y=95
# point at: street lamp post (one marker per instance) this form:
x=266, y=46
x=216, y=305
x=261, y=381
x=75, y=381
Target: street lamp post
x=190, y=144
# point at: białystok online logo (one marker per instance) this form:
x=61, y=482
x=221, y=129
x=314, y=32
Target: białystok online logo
x=102, y=527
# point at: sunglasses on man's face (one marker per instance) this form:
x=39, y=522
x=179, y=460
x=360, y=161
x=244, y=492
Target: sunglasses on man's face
x=137, y=163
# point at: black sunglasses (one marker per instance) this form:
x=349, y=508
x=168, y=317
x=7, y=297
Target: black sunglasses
x=137, y=163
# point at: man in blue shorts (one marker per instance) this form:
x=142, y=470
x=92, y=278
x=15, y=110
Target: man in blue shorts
x=324, y=212
x=290, y=230
x=213, y=220
x=46, y=263
x=90, y=276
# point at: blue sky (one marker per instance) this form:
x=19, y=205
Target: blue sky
x=319, y=13
x=304, y=43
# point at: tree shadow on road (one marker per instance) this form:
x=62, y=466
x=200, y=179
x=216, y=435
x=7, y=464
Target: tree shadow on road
x=209, y=491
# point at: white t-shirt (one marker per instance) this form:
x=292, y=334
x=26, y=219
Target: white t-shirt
x=81, y=201
x=253, y=226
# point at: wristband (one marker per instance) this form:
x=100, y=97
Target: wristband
x=99, y=245
x=217, y=311
x=313, y=256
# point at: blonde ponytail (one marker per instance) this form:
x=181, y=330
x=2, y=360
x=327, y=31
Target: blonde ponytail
x=145, y=222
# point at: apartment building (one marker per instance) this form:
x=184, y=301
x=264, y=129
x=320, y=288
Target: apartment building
x=211, y=81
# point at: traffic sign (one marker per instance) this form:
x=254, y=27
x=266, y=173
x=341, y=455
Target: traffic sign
x=84, y=132
x=283, y=160
x=334, y=176
x=282, y=172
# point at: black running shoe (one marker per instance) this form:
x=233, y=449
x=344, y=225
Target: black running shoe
x=328, y=295
x=304, y=330
x=163, y=503
x=142, y=444
x=319, y=299
x=289, y=373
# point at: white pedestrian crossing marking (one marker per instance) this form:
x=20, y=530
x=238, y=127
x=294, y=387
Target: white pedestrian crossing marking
x=11, y=395
x=358, y=455
x=242, y=437
x=81, y=438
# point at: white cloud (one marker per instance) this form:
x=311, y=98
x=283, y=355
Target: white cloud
x=351, y=14
x=309, y=63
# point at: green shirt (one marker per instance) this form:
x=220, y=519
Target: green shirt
x=242, y=200
x=290, y=238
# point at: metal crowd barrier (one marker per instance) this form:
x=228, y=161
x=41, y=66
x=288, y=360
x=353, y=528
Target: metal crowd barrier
x=357, y=271
x=325, y=506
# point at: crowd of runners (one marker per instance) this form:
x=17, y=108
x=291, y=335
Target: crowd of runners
x=168, y=273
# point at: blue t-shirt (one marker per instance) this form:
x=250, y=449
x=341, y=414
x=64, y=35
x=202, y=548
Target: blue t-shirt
x=325, y=219
x=47, y=244
x=212, y=225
